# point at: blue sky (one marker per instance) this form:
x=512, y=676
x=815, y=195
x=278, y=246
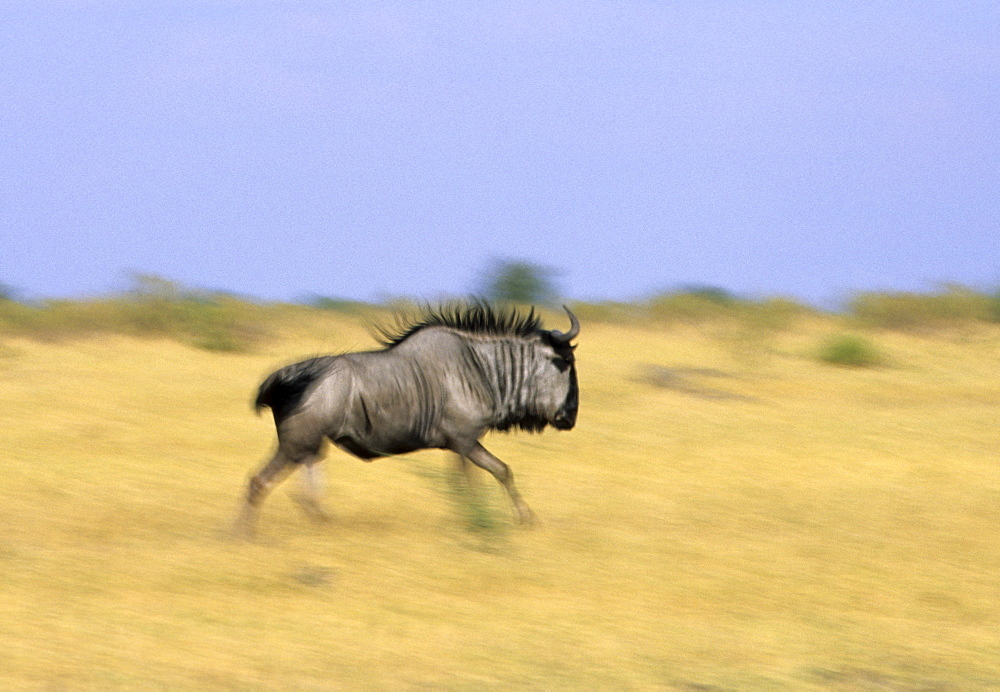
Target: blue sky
x=373, y=149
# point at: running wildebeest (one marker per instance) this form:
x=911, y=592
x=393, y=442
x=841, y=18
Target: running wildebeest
x=440, y=382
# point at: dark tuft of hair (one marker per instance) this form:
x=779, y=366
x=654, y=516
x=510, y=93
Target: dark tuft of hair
x=472, y=317
x=284, y=389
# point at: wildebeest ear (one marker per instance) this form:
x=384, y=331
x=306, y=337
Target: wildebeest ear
x=574, y=329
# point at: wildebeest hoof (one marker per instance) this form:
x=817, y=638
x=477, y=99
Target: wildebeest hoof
x=312, y=509
x=526, y=519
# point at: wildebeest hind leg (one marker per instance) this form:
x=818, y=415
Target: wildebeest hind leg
x=260, y=485
x=310, y=497
x=482, y=458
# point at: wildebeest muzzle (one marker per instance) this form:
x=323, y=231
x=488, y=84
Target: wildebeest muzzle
x=565, y=418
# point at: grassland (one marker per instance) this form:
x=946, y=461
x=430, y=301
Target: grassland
x=729, y=513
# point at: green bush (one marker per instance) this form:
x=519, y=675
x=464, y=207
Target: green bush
x=852, y=351
x=343, y=305
x=950, y=307
x=693, y=305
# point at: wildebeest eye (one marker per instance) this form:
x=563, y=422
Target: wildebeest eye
x=561, y=363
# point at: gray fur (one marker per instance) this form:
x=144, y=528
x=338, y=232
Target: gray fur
x=441, y=382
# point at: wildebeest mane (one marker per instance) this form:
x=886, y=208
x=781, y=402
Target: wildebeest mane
x=476, y=317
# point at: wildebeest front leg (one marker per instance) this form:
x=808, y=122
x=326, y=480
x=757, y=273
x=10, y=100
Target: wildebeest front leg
x=463, y=470
x=482, y=458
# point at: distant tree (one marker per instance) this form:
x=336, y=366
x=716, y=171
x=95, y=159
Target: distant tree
x=995, y=306
x=713, y=294
x=7, y=292
x=334, y=304
x=516, y=281
x=153, y=287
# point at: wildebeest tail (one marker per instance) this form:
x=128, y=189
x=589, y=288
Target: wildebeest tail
x=284, y=389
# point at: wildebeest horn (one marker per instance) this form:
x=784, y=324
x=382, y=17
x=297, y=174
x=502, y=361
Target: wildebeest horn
x=574, y=329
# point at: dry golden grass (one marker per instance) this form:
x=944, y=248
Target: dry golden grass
x=774, y=523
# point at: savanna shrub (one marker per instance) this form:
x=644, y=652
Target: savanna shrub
x=852, y=351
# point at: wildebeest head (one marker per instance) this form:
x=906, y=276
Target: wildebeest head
x=556, y=376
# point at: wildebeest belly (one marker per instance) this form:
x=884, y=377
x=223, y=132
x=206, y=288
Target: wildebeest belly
x=372, y=449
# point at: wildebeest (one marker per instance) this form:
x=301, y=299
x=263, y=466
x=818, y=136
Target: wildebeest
x=441, y=381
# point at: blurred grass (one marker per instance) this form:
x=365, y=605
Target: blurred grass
x=153, y=308
x=822, y=528
x=159, y=308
